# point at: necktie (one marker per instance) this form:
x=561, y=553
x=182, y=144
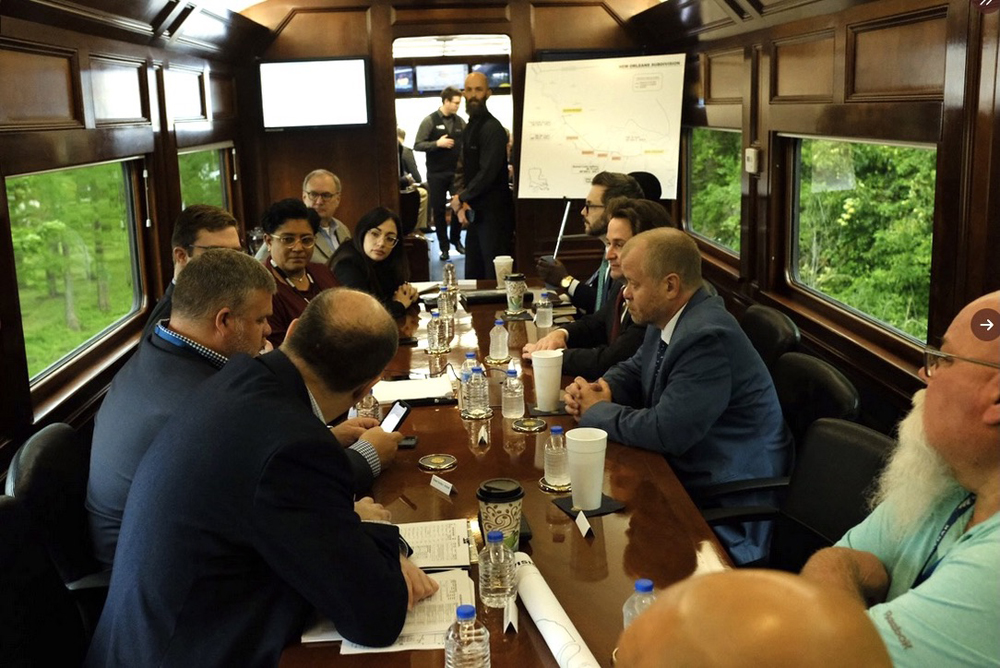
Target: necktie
x=602, y=278
x=618, y=315
x=660, y=353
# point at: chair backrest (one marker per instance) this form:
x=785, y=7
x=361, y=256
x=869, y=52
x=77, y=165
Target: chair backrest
x=827, y=495
x=40, y=624
x=770, y=331
x=409, y=210
x=48, y=475
x=809, y=389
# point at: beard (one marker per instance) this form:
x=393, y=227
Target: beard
x=916, y=477
x=474, y=107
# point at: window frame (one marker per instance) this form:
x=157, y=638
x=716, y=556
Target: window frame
x=724, y=254
x=227, y=168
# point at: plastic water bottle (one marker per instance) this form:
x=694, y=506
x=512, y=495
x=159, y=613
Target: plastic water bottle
x=369, y=406
x=498, y=342
x=477, y=400
x=447, y=313
x=513, y=396
x=450, y=277
x=543, y=311
x=496, y=571
x=467, y=642
x=436, y=342
x=639, y=601
x=556, y=459
x=465, y=375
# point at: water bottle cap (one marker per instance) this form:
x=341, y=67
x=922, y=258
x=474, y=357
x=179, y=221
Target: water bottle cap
x=477, y=369
x=470, y=356
x=644, y=586
x=512, y=373
x=557, y=430
x=494, y=537
x=444, y=288
x=435, y=314
x=498, y=323
x=466, y=612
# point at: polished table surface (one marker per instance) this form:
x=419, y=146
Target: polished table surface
x=655, y=537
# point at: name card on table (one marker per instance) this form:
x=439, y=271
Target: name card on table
x=582, y=524
x=442, y=485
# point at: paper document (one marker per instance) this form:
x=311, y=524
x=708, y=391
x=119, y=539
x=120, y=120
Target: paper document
x=559, y=633
x=425, y=625
x=442, y=544
x=422, y=388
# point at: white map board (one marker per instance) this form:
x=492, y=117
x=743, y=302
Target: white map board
x=611, y=114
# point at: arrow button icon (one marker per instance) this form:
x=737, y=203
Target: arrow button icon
x=986, y=324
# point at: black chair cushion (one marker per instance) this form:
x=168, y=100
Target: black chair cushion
x=809, y=389
x=771, y=332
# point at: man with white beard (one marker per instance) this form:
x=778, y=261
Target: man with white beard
x=927, y=560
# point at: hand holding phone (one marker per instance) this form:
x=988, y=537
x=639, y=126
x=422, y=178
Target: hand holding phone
x=394, y=418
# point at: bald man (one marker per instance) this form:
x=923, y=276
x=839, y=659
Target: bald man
x=483, y=201
x=749, y=619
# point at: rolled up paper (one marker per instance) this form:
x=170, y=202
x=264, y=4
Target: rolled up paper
x=557, y=630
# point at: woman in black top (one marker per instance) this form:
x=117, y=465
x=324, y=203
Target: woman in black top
x=374, y=261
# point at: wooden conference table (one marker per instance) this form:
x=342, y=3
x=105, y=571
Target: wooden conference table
x=655, y=537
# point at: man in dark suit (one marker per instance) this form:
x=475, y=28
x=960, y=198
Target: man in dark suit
x=590, y=295
x=241, y=519
x=598, y=341
x=696, y=390
x=200, y=227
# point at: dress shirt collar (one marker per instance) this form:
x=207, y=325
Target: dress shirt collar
x=667, y=332
x=181, y=341
x=315, y=406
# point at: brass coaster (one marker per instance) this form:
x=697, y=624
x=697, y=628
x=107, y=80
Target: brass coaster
x=553, y=489
x=530, y=425
x=492, y=361
x=466, y=416
x=437, y=463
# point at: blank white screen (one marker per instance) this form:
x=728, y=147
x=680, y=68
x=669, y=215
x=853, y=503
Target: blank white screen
x=314, y=92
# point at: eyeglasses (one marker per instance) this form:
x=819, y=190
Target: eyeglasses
x=376, y=234
x=933, y=357
x=587, y=206
x=291, y=239
x=326, y=197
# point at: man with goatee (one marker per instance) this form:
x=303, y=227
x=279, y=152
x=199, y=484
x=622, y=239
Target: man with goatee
x=927, y=560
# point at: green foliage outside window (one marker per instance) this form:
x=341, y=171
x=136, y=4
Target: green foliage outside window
x=201, y=178
x=865, y=217
x=73, y=253
x=714, y=207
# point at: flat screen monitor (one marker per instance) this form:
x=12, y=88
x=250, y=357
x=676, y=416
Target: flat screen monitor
x=404, y=78
x=314, y=93
x=435, y=78
x=498, y=74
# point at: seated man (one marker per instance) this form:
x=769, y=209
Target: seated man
x=927, y=560
x=751, y=619
x=200, y=227
x=598, y=341
x=696, y=390
x=241, y=519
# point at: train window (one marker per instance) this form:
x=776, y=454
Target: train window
x=715, y=186
x=863, y=217
x=75, y=256
x=202, y=179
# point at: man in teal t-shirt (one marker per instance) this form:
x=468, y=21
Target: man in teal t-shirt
x=927, y=560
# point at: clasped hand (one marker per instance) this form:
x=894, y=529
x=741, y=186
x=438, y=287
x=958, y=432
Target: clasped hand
x=581, y=394
x=405, y=294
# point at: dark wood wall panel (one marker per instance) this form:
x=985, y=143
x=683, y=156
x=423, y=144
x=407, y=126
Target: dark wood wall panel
x=222, y=88
x=583, y=26
x=804, y=69
x=469, y=14
x=724, y=77
x=186, y=94
x=306, y=34
x=898, y=58
x=38, y=89
x=118, y=89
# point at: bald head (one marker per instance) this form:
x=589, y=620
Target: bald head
x=477, y=90
x=345, y=337
x=749, y=619
x=668, y=251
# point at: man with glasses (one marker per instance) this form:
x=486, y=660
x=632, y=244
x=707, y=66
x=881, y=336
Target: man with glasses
x=590, y=295
x=926, y=562
x=200, y=227
x=321, y=192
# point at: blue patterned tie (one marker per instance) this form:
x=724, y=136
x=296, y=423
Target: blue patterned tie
x=602, y=278
x=660, y=354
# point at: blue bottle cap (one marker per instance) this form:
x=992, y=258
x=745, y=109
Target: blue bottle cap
x=435, y=314
x=557, y=430
x=644, y=586
x=477, y=369
x=512, y=373
x=444, y=288
x=497, y=537
x=498, y=323
x=466, y=612
x=470, y=356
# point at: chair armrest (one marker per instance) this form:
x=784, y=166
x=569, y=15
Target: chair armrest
x=739, y=487
x=736, y=515
x=100, y=580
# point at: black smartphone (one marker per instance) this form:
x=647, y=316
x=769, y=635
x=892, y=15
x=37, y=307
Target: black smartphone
x=394, y=418
x=408, y=443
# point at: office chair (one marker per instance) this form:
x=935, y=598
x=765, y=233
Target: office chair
x=409, y=210
x=771, y=332
x=827, y=495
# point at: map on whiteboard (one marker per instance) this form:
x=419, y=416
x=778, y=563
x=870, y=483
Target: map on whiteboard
x=582, y=117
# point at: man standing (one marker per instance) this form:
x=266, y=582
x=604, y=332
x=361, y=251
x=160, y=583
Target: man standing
x=598, y=341
x=590, y=295
x=241, y=520
x=483, y=201
x=926, y=562
x=200, y=227
x=437, y=137
x=696, y=390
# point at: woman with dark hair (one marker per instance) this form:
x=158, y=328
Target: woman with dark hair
x=374, y=261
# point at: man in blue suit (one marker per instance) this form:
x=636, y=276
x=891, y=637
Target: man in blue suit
x=696, y=390
x=241, y=519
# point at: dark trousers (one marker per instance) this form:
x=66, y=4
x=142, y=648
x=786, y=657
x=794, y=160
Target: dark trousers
x=489, y=235
x=437, y=192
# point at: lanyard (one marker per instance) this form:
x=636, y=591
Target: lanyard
x=288, y=280
x=928, y=568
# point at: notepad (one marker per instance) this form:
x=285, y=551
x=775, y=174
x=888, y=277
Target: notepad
x=438, y=544
x=388, y=392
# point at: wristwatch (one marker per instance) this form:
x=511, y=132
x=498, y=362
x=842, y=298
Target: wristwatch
x=566, y=282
